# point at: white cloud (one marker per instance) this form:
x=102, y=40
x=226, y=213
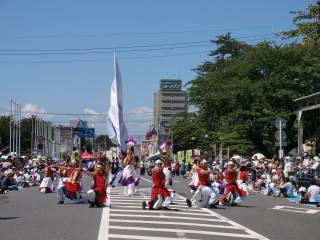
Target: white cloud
x=32, y=109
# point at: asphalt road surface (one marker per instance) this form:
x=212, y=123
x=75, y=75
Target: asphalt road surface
x=29, y=215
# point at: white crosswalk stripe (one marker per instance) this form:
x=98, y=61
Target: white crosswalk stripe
x=126, y=219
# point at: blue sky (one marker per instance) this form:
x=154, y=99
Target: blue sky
x=56, y=57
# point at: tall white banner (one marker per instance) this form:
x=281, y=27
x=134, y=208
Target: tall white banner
x=116, y=128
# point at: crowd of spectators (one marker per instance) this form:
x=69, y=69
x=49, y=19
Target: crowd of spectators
x=17, y=172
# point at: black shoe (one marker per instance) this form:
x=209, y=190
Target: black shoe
x=91, y=205
x=113, y=186
x=212, y=205
x=318, y=205
x=188, y=201
x=144, y=205
x=61, y=202
x=99, y=205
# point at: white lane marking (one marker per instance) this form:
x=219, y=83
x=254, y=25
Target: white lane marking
x=139, y=200
x=184, y=230
x=295, y=209
x=171, y=217
x=146, y=179
x=155, y=212
x=147, y=237
x=104, y=224
x=177, y=223
x=172, y=209
x=247, y=230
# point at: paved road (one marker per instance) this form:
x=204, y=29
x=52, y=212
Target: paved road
x=31, y=215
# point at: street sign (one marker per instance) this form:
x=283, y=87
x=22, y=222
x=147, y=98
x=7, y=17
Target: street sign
x=283, y=144
x=280, y=135
x=86, y=132
x=280, y=123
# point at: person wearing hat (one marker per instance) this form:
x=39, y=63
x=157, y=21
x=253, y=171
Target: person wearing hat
x=97, y=195
x=232, y=187
x=206, y=195
x=304, y=198
x=160, y=195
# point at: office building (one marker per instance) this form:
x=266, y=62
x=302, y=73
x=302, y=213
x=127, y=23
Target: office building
x=168, y=101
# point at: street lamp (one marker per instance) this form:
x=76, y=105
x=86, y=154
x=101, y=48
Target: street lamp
x=206, y=139
x=193, y=139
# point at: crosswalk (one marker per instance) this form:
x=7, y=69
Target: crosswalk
x=126, y=219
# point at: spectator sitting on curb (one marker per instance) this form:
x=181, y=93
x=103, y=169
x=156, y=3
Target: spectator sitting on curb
x=304, y=198
x=286, y=188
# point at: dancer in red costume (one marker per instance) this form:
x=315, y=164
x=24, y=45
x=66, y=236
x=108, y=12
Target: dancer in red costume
x=97, y=195
x=160, y=195
x=71, y=188
x=232, y=187
x=206, y=195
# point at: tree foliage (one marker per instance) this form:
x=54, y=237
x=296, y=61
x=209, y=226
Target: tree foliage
x=308, y=24
x=246, y=87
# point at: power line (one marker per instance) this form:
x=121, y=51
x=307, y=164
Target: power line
x=111, y=59
x=122, y=47
x=150, y=33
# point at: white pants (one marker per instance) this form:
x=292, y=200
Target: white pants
x=129, y=190
x=161, y=203
x=92, y=198
x=209, y=195
x=45, y=183
x=61, y=193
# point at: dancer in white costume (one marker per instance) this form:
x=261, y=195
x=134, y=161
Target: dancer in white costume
x=128, y=175
x=194, y=178
x=46, y=185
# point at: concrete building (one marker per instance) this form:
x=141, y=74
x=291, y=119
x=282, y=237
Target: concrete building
x=168, y=101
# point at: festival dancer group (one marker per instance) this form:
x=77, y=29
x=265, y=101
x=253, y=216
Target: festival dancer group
x=205, y=191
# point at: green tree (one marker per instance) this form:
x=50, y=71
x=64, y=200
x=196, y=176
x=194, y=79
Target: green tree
x=26, y=131
x=246, y=87
x=308, y=24
x=5, y=131
x=104, y=141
